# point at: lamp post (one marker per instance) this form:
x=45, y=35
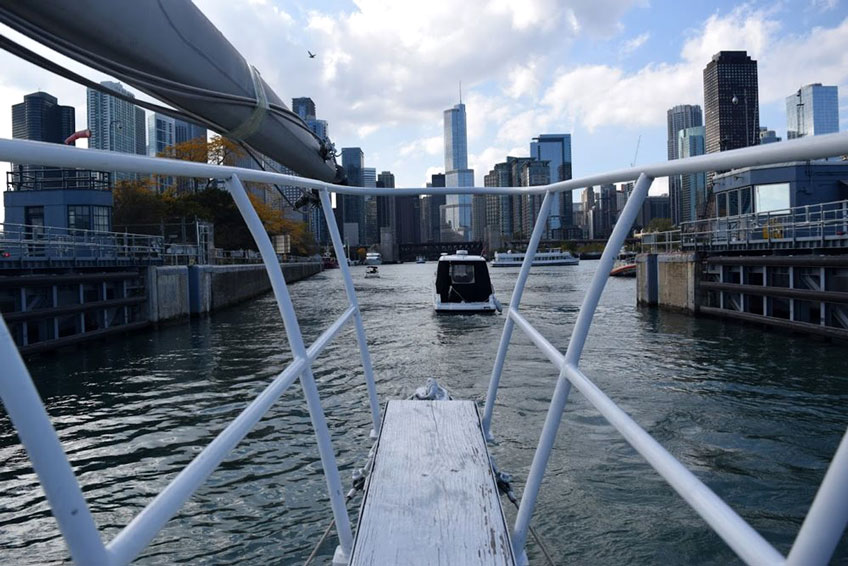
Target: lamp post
x=735, y=100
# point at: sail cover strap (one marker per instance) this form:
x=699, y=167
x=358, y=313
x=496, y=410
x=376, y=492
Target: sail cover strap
x=254, y=121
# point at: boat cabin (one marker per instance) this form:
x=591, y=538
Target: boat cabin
x=463, y=284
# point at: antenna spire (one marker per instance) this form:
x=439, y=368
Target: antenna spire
x=460, y=91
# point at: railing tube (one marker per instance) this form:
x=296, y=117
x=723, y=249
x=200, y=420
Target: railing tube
x=572, y=356
x=49, y=461
x=364, y=354
x=514, y=301
x=295, y=338
x=827, y=517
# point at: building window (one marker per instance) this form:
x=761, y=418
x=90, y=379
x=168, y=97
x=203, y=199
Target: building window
x=79, y=217
x=101, y=218
x=772, y=197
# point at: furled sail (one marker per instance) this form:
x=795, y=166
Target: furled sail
x=171, y=51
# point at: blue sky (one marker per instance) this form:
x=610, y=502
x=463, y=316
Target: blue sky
x=604, y=71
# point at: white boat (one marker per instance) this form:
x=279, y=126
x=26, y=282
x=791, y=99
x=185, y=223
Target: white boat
x=373, y=258
x=625, y=265
x=372, y=271
x=420, y=259
x=550, y=257
x=463, y=285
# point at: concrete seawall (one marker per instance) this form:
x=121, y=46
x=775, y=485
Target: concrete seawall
x=177, y=292
x=668, y=280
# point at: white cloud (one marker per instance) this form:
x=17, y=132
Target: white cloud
x=523, y=80
x=635, y=43
x=431, y=146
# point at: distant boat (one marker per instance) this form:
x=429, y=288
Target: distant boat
x=329, y=262
x=420, y=259
x=463, y=285
x=372, y=271
x=625, y=265
x=550, y=257
x=373, y=258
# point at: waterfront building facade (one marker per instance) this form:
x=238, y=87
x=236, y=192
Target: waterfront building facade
x=679, y=118
x=811, y=111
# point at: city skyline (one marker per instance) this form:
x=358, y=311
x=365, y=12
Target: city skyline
x=606, y=77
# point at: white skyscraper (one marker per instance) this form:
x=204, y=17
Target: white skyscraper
x=457, y=174
x=811, y=111
x=115, y=123
x=160, y=135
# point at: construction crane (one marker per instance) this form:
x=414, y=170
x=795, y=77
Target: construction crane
x=636, y=154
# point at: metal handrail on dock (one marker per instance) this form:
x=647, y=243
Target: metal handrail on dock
x=814, y=544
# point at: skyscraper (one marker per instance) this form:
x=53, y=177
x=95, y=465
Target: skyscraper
x=811, y=111
x=350, y=209
x=731, y=102
x=40, y=118
x=731, y=107
x=303, y=107
x=115, y=124
x=431, y=209
x=679, y=118
x=160, y=136
x=556, y=150
x=690, y=142
x=457, y=174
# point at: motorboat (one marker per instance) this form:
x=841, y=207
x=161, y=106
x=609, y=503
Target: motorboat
x=372, y=271
x=420, y=259
x=463, y=285
x=549, y=257
x=624, y=266
x=373, y=258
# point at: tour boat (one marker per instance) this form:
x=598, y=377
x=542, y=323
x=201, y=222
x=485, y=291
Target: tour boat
x=550, y=257
x=373, y=258
x=463, y=285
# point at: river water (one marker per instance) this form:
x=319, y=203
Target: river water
x=756, y=415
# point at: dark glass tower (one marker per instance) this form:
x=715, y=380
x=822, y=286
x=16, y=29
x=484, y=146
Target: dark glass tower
x=304, y=107
x=40, y=118
x=731, y=102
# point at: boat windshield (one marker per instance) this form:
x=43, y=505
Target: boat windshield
x=462, y=273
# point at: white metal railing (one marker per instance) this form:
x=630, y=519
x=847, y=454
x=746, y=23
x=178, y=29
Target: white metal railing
x=815, y=224
x=814, y=544
x=37, y=242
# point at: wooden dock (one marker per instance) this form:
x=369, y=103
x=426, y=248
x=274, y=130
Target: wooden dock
x=431, y=497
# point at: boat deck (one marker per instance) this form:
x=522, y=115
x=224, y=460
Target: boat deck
x=431, y=497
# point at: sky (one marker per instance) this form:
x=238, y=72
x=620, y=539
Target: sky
x=604, y=71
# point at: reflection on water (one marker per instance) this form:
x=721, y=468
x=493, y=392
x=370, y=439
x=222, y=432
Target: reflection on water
x=756, y=415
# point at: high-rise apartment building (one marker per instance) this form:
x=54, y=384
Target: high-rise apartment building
x=303, y=107
x=350, y=209
x=811, y=111
x=458, y=211
x=556, y=150
x=431, y=211
x=690, y=142
x=115, y=124
x=40, y=117
x=160, y=136
x=731, y=102
x=679, y=118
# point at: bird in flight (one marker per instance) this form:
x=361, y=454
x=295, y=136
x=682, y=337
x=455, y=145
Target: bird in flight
x=311, y=54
